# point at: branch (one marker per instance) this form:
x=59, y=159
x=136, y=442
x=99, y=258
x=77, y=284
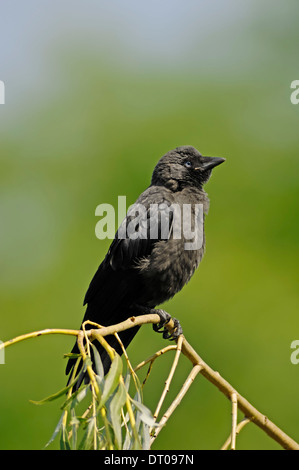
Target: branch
x=238, y=429
x=35, y=334
x=169, y=378
x=250, y=412
x=234, y=401
x=190, y=379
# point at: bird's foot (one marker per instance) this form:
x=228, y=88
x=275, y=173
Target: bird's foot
x=164, y=319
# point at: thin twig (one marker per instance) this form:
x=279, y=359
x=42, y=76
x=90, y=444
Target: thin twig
x=151, y=359
x=170, y=376
x=133, y=374
x=132, y=420
x=127, y=324
x=239, y=427
x=249, y=410
x=195, y=370
x=94, y=385
x=214, y=377
x=36, y=334
x=234, y=401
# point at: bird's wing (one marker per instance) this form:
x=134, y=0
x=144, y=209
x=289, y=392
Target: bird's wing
x=147, y=221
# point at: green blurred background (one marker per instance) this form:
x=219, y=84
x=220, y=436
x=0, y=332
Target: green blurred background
x=96, y=92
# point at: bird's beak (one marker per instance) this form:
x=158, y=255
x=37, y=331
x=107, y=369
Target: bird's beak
x=210, y=162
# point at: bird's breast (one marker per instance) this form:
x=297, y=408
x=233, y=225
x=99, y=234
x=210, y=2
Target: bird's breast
x=169, y=267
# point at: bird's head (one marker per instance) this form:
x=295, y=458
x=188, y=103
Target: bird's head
x=184, y=166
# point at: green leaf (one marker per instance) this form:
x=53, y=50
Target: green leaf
x=112, y=379
x=127, y=380
x=87, y=361
x=75, y=424
x=100, y=381
x=81, y=395
x=56, y=430
x=76, y=397
x=64, y=440
x=98, y=362
x=55, y=395
x=127, y=441
x=138, y=396
x=145, y=413
x=116, y=405
x=86, y=441
x=145, y=436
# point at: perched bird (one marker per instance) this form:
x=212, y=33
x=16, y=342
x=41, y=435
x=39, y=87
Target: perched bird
x=147, y=265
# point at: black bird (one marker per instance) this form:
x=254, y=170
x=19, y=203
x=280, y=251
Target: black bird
x=143, y=271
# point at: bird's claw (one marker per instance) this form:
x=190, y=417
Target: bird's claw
x=164, y=318
x=177, y=331
x=160, y=327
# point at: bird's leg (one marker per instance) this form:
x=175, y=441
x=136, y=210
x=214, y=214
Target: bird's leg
x=177, y=331
x=165, y=317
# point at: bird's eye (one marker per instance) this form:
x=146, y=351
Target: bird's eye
x=188, y=164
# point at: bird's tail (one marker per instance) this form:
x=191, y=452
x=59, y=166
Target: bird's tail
x=109, y=301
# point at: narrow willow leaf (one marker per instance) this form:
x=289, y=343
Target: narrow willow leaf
x=98, y=362
x=76, y=397
x=64, y=440
x=55, y=395
x=136, y=444
x=127, y=441
x=112, y=379
x=145, y=413
x=126, y=425
x=127, y=380
x=56, y=430
x=100, y=381
x=130, y=442
x=116, y=405
x=138, y=396
x=139, y=388
x=81, y=395
x=145, y=437
x=88, y=435
x=75, y=424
